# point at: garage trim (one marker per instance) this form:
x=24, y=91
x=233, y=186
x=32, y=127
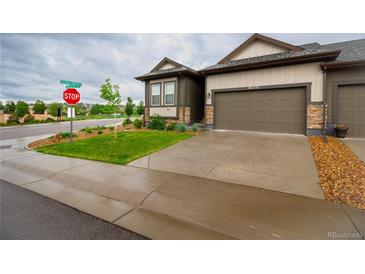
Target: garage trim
x=307, y=86
x=335, y=86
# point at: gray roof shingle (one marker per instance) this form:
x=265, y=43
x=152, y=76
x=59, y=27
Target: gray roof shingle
x=350, y=51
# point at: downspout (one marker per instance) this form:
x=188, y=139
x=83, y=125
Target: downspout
x=324, y=108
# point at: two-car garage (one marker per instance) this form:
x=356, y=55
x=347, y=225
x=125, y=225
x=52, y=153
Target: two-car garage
x=281, y=110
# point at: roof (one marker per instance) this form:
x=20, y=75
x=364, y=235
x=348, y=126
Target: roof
x=336, y=53
x=350, y=50
x=179, y=69
x=267, y=39
x=282, y=58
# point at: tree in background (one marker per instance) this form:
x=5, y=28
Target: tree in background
x=109, y=92
x=53, y=108
x=9, y=107
x=129, y=108
x=39, y=107
x=2, y=107
x=140, y=108
x=21, y=108
x=96, y=109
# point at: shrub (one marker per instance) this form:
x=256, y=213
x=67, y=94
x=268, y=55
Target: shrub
x=21, y=109
x=181, y=127
x=13, y=119
x=129, y=107
x=111, y=128
x=87, y=130
x=137, y=123
x=53, y=108
x=194, y=128
x=100, y=127
x=67, y=134
x=126, y=122
x=171, y=126
x=157, y=123
x=49, y=119
x=29, y=119
x=100, y=131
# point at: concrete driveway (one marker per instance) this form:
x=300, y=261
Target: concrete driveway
x=357, y=146
x=277, y=162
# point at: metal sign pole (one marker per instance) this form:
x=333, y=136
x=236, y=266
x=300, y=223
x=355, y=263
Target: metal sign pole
x=71, y=122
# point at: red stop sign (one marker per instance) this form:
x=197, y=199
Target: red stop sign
x=71, y=96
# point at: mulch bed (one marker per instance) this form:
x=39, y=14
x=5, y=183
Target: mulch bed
x=341, y=172
x=56, y=139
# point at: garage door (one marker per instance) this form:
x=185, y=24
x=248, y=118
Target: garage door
x=351, y=109
x=276, y=110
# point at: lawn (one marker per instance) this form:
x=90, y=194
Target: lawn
x=129, y=146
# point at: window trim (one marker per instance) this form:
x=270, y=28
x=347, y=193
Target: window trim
x=164, y=93
x=159, y=104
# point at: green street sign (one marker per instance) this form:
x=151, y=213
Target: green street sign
x=70, y=84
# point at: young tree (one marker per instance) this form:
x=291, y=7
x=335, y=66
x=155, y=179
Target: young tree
x=39, y=107
x=110, y=93
x=140, y=108
x=9, y=107
x=129, y=107
x=53, y=108
x=21, y=109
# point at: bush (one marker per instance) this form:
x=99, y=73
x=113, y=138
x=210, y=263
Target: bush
x=100, y=128
x=13, y=119
x=137, y=123
x=129, y=107
x=111, y=128
x=53, y=108
x=194, y=128
x=49, y=119
x=67, y=134
x=171, y=126
x=181, y=127
x=100, y=131
x=157, y=123
x=140, y=108
x=126, y=122
x=29, y=119
x=87, y=130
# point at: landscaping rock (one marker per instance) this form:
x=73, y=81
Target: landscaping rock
x=341, y=172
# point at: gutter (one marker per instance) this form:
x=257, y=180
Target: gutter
x=336, y=65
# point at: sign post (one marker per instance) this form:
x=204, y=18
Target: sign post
x=71, y=96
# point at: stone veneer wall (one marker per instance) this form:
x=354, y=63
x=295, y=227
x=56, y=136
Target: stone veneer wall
x=146, y=114
x=208, y=115
x=315, y=116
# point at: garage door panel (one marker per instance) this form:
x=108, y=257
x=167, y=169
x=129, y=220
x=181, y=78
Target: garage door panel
x=278, y=110
x=351, y=109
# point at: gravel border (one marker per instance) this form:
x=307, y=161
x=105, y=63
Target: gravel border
x=341, y=172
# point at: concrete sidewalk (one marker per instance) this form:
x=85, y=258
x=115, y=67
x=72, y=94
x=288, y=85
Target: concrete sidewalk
x=164, y=205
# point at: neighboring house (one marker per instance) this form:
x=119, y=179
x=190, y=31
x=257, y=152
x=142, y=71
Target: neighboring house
x=272, y=86
x=175, y=92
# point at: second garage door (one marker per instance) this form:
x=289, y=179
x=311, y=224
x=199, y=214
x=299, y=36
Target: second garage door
x=351, y=109
x=276, y=110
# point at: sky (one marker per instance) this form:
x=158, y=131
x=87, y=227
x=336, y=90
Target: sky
x=32, y=65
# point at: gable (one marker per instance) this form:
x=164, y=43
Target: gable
x=257, y=48
x=258, y=45
x=166, y=65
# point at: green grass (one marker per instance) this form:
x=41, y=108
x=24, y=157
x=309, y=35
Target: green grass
x=129, y=146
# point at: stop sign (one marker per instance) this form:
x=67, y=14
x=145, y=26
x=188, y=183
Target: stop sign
x=71, y=96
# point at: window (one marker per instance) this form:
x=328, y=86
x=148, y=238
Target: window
x=156, y=94
x=169, y=93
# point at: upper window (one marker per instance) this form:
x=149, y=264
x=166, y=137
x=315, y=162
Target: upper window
x=169, y=93
x=156, y=94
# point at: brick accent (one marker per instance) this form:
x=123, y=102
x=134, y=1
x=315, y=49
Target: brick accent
x=187, y=115
x=315, y=116
x=208, y=115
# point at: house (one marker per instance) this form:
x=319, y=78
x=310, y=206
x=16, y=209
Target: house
x=269, y=85
x=174, y=91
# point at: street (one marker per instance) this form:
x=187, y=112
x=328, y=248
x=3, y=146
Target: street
x=28, y=215
x=42, y=129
